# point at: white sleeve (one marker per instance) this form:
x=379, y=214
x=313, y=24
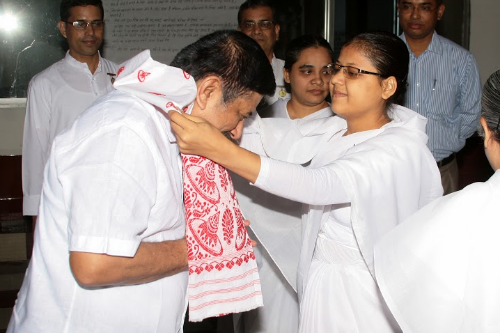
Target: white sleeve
x=251, y=139
x=35, y=146
x=110, y=183
x=253, y=143
x=319, y=186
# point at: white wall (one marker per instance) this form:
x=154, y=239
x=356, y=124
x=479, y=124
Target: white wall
x=485, y=35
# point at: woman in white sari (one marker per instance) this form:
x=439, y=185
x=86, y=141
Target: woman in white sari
x=276, y=221
x=374, y=171
x=439, y=271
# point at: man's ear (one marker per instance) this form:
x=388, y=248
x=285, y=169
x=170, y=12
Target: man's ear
x=277, y=31
x=389, y=87
x=440, y=12
x=286, y=75
x=209, y=88
x=62, y=28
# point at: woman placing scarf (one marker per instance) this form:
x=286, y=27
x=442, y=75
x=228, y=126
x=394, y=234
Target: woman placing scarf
x=374, y=171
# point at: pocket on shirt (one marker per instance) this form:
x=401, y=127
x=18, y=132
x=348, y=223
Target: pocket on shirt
x=443, y=99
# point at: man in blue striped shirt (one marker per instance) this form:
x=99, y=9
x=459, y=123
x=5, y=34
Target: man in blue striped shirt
x=444, y=85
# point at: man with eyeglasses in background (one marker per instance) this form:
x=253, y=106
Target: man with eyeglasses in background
x=60, y=93
x=444, y=85
x=256, y=18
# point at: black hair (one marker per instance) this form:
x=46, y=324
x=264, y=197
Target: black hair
x=389, y=55
x=490, y=105
x=66, y=5
x=234, y=57
x=250, y=4
x=299, y=44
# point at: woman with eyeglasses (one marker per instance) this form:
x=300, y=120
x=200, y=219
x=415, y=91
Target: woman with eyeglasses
x=277, y=221
x=439, y=270
x=373, y=171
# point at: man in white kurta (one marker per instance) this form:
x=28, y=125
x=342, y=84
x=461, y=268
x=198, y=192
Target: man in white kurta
x=56, y=97
x=60, y=93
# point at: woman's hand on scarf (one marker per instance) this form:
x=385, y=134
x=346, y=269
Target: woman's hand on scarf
x=196, y=136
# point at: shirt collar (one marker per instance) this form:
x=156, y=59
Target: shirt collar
x=274, y=60
x=435, y=46
x=82, y=65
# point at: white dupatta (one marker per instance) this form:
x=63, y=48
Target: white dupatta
x=276, y=221
x=439, y=271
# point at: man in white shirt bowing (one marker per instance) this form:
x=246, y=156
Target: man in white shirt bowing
x=110, y=253
x=60, y=93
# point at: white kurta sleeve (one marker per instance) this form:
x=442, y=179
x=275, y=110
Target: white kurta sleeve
x=319, y=186
x=110, y=186
x=36, y=144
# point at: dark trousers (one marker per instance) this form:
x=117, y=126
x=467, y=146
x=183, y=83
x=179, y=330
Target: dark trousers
x=449, y=176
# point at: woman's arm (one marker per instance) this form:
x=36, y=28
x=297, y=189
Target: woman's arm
x=312, y=186
x=319, y=186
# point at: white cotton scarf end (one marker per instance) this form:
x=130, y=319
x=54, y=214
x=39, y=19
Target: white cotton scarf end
x=168, y=88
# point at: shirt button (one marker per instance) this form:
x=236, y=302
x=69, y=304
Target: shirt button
x=418, y=84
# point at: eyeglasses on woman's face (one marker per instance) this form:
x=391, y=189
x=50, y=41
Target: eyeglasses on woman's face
x=350, y=72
